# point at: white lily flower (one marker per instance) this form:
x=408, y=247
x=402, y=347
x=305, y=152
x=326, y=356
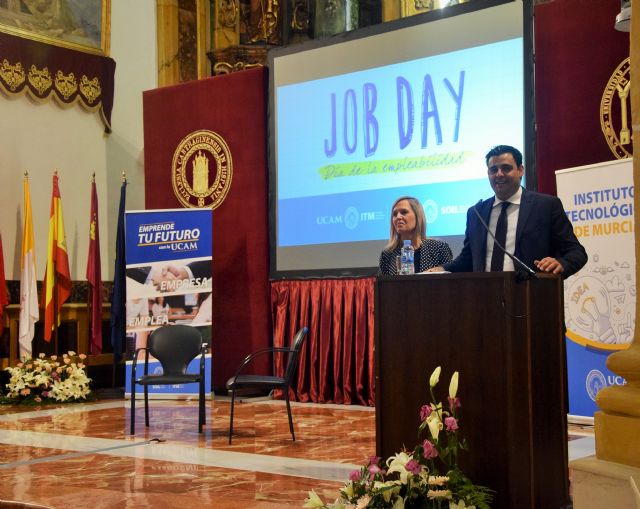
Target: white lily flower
x=314, y=501
x=435, y=377
x=398, y=463
x=453, y=385
x=435, y=424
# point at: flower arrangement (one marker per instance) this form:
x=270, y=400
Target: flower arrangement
x=46, y=380
x=427, y=477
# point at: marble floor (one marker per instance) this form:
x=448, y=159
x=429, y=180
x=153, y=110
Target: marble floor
x=82, y=456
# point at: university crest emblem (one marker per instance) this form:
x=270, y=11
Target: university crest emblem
x=201, y=170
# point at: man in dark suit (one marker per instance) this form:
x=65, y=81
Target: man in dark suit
x=532, y=226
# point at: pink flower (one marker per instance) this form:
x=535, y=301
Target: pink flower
x=69, y=370
x=425, y=412
x=413, y=466
x=454, y=403
x=54, y=375
x=429, y=450
x=45, y=394
x=28, y=366
x=54, y=357
x=38, y=399
x=19, y=364
x=67, y=360
x=82, y=356
x=25, y=392
x=354, y=475
x=451, y=423
x=81, y=366
x=374, y=469
x=374, y=460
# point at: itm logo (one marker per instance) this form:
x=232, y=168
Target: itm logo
x=430, y=211
x=595, y=382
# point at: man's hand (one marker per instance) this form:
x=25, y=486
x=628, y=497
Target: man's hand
x=549, y=264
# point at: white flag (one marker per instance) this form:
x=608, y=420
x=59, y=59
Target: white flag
x=29, y=312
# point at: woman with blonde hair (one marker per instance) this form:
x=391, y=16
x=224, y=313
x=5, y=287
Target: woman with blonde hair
x=408, y=222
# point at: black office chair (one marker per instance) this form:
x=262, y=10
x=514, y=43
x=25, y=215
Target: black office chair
x=175, y=346
x=240, y=381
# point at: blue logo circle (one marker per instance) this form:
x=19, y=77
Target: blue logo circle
x=594, y=382
x=351, y=218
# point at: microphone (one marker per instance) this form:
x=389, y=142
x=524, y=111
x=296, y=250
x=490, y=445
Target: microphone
x=516, y=261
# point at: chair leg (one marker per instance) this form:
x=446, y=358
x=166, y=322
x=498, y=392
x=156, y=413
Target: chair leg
x=201, y=414
x=286, y=397
x=133, y=406
x=146, y=406
x=233, y=399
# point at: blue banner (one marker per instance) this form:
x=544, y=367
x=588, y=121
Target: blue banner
x=364, y=215
x=161, y=235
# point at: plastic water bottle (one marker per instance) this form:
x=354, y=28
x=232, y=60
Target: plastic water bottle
x=406, y=258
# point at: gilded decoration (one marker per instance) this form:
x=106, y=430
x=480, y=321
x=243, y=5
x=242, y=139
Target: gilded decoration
x=268, y=20
x=90, y=89
x=40, y=79
x=227, y=68
x=300, y=17
x=228, y=13
x=12, y=75
x=66, y=84
x=615, y=111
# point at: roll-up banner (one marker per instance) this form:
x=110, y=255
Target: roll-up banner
x=169, y=281
x=599, y=301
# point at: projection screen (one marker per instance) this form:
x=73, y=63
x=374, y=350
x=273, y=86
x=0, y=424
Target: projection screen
x=403, y=108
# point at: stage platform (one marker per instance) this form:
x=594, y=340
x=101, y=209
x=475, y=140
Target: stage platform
x=81, y=456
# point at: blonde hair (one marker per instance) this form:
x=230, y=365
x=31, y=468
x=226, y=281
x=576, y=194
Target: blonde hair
x=420, y=231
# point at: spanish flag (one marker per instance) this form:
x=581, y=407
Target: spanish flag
x=29, y=313
x=57, y=280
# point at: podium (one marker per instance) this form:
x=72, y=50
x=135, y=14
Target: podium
x=506, y=338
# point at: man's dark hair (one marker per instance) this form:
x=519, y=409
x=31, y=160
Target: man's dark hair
x=504, y=149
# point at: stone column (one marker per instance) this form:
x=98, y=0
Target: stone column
x=617, y=424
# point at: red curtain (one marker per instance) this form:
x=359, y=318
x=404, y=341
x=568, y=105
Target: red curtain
x=337, y=360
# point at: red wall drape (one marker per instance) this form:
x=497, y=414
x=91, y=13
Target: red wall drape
x=233, y=106
x=337, y=360
x=577, y=50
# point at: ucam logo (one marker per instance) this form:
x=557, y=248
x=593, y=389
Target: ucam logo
x=430, y=210
x=329, y=219
x=594, y=382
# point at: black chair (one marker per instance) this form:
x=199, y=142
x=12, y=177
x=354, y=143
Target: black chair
x=240, y=381
x=175, y=346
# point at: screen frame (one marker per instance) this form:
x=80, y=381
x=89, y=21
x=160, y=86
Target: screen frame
x=529, y=148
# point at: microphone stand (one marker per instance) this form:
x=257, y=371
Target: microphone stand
x=527, y=271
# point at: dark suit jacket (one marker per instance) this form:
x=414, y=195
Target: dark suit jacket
x=543, y=230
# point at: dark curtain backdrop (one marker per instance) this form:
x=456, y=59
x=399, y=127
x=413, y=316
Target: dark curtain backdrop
x=337, y=360
x=234, y=106
x=577, y=50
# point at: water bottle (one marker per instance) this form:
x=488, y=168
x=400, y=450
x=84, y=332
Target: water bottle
x=406, y=258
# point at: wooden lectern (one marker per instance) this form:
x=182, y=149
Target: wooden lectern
x=505, y=337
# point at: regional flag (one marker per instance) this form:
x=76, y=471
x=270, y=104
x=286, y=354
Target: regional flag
x=57, y=279
x=94, y=276
x=29, y=313
x=4, y=295
x=118, y=297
